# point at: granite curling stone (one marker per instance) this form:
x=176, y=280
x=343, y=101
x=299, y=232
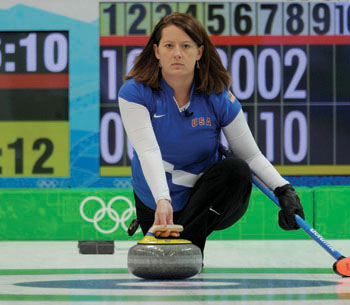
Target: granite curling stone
x=166, y=259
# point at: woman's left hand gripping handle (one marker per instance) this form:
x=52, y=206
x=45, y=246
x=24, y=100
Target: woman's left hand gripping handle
x=164, y=216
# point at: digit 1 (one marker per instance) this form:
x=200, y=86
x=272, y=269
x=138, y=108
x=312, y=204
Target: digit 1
x=18, y=147
x=30, y=44
x=268, y=117
x=0, y=166
x=111, y=12
x=111, y=56
x=348, y=18
x=341, y=18
x=0, y=55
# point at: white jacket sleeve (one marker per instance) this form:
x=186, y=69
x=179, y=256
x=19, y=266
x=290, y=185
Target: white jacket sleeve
x=138, y=126
x=243, y=145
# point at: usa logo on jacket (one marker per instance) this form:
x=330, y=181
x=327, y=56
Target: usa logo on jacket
x=201, y=121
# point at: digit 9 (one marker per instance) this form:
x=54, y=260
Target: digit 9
x=321, y=14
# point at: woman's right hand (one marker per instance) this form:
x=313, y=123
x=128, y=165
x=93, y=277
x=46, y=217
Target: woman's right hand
x=164, y=216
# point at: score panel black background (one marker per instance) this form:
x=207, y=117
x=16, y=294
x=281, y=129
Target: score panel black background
x=326, y=106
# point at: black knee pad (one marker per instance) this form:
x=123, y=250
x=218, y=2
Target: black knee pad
x=236, y=169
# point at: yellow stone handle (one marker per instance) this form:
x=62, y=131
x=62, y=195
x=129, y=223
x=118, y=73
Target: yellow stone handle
x=172, y=228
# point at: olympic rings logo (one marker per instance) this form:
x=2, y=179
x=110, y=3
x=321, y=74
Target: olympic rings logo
x=112, y=213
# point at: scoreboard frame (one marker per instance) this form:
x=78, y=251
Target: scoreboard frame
x=289, y=69
x=34, y=98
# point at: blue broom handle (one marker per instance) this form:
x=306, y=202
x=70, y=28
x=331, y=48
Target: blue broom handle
x=301, y=222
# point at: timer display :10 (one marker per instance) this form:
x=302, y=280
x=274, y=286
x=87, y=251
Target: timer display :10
x=33, y=53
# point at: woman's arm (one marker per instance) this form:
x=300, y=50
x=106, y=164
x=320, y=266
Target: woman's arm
x=243, y=145
x=137, y=123
x=138, y=126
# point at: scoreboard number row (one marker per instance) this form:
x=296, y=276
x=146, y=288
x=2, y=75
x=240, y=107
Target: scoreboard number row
x=225, y=18
x=116, y=147
x=243, y=60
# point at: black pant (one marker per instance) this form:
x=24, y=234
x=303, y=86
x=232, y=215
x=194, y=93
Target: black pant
x=218, y=200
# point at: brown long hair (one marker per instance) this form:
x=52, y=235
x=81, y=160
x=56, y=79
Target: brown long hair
x=211, y=77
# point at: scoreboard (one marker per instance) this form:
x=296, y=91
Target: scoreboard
x=290, y=69
x=34, y=137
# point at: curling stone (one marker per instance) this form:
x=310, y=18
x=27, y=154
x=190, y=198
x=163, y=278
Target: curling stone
x=166, y=259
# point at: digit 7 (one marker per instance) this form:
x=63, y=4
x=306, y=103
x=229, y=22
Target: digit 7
x=273, y=10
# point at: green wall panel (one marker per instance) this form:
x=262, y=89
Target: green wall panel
x=55, y=214
x=332, y=211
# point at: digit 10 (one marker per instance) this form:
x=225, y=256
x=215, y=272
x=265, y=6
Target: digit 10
x=295, y=152
x=111, y=72
x=55, y=52
x=343, y=17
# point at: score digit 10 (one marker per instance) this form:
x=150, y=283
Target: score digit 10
x=34, y=149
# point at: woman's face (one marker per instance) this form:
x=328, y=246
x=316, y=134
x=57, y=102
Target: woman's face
x=177, y=52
